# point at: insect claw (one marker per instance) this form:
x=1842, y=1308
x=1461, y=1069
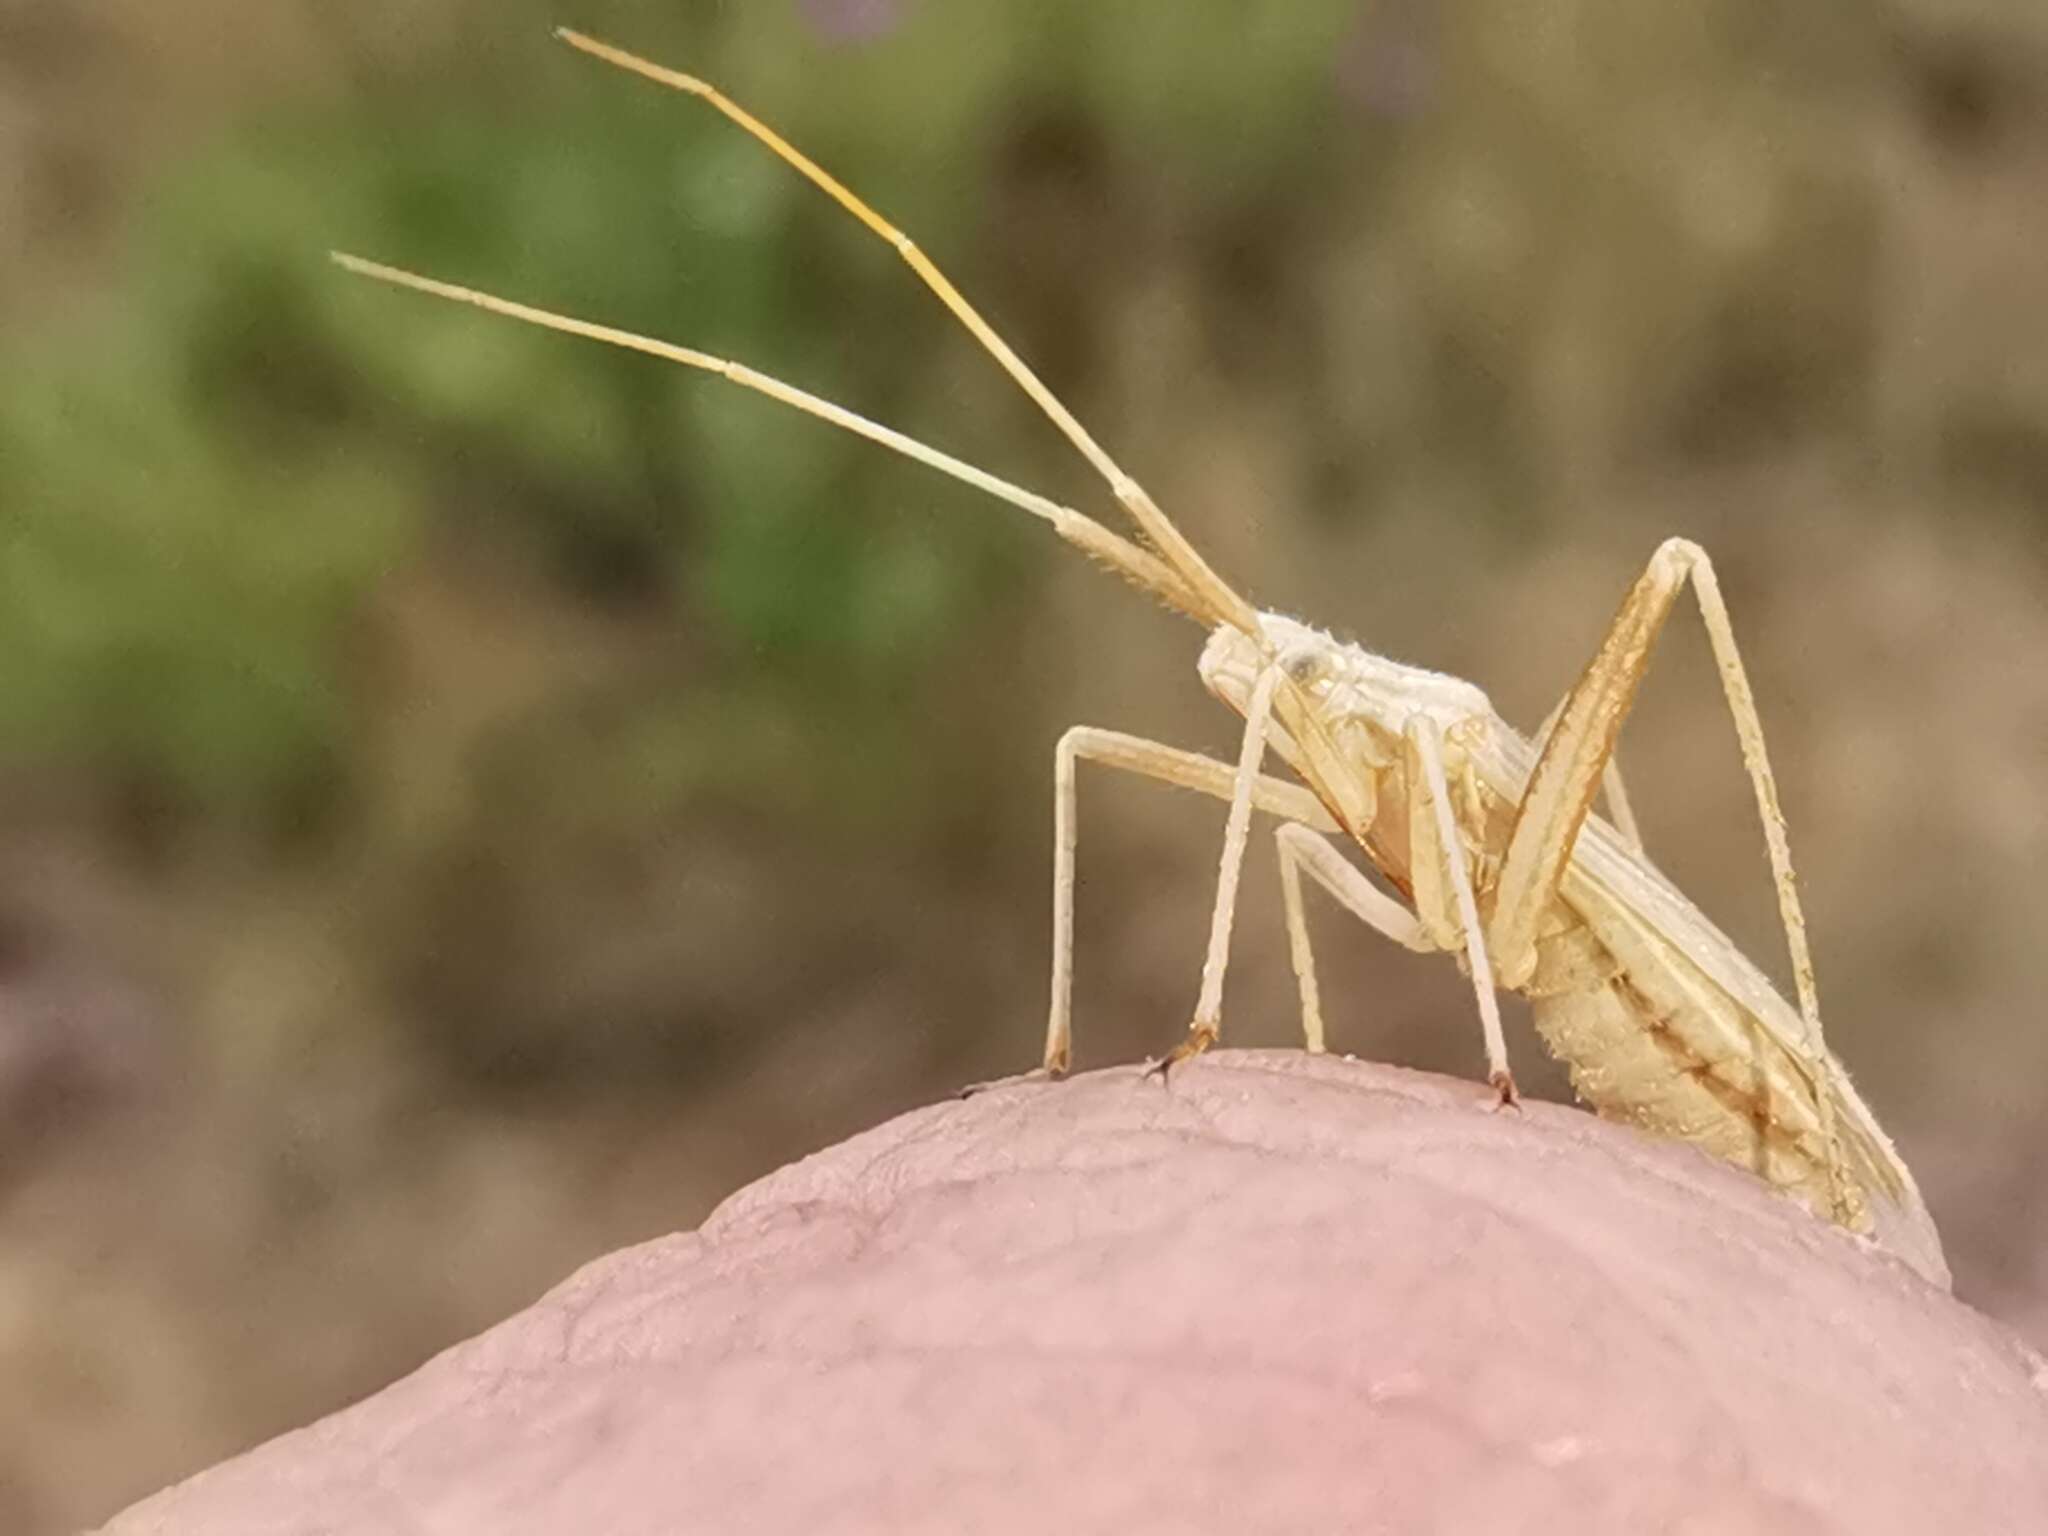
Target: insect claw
x=1504, y=1085
x=1201, y=1036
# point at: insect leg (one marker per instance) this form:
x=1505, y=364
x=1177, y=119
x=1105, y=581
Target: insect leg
x=1207, y=1026
x=1301, y=849
x=1619, y=811
x=1152, y=760
x=1576, y=754
x=1422, y=731
x=1300, y=952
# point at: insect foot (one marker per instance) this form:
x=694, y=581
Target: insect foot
x=1504, y=1086
x=1201, y=1035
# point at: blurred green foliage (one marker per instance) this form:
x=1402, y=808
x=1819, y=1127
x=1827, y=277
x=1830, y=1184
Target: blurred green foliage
x=204, y=484
x=1483, y=265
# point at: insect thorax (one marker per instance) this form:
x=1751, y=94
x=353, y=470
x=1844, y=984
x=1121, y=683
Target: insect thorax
x=1345, y=681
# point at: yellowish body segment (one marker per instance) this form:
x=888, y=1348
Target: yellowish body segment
x=1661, y=1021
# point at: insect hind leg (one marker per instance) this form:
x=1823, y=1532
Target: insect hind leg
x=1577, y=750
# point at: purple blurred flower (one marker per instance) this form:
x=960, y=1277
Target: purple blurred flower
x=851, y=21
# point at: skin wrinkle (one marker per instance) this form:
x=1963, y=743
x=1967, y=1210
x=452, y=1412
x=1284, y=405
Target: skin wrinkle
x=647, y=1300
x=979, y=1183
x=1215, y=1135
x=1445, y=1420
x=877, y=1167
x=1508, y=1453
x=1597, y=1269
x=1387, y=1308
x=1566, y=1241
x=1216, y=1371
x=1717, y=1189
x=981, y=1178
x=393, y=1507
x=1173, y=1361
x=1797, y=1219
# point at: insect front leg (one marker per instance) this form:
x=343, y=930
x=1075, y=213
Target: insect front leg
x=1167, y=765
x=1207, y=1026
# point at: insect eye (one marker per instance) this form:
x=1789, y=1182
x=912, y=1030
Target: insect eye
x=1303, y=667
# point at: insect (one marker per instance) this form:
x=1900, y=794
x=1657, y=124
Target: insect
x=1488, y=836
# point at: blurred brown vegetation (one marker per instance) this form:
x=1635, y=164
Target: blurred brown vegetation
x=473, y=800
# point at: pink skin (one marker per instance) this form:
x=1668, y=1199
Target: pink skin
x=1281, y=1293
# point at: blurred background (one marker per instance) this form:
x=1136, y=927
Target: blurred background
x=472, y=799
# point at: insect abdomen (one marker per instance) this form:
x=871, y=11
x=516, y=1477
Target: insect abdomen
x=1643, y=1045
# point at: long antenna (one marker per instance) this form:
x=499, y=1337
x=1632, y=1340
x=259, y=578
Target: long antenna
x=1218, y=602
x=1138, y=566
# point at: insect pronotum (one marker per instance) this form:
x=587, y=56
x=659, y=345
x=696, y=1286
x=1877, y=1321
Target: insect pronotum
x=1487, y=835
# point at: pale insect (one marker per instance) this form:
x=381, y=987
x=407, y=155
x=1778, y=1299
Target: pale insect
x=1488, y=835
